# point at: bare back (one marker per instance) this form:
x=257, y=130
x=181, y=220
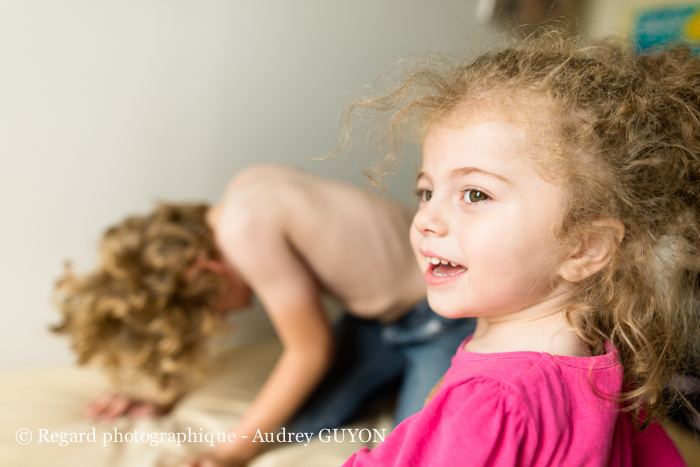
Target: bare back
x=354, y=243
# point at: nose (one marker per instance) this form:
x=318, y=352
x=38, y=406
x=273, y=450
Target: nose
x=430, y=220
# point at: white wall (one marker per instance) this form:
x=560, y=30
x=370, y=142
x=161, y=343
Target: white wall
x=108, y=106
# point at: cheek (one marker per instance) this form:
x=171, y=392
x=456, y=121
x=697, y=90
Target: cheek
x=531, y=260
x=415, y=237
x=517, y=251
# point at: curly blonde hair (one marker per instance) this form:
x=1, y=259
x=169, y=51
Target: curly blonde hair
x=138, y=314
x=622, y=135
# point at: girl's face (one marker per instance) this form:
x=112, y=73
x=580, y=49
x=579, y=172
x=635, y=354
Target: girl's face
x=484, y=233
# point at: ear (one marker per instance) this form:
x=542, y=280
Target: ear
x=594, y=251
x=202, y=264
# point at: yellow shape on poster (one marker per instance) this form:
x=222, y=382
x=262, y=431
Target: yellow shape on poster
x=692, y=28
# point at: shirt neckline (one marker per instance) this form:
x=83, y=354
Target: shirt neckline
x=609, y=358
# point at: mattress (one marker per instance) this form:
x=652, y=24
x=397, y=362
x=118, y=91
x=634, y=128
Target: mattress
x=42, y=422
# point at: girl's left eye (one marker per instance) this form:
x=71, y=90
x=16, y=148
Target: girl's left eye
x=474, y=196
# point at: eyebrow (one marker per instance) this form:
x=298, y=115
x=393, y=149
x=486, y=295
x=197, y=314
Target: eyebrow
x=462, y=171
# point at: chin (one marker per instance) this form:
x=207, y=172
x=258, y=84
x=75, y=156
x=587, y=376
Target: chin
x=446, y=308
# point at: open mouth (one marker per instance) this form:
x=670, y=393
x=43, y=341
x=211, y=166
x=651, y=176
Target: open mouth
x=443, y=268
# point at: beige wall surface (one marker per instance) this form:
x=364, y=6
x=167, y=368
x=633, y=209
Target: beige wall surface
x=106, y=107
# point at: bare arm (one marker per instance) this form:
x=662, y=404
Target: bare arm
x=307, y=350
x=291, y=296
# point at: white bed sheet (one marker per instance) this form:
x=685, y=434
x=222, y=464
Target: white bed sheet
x=41, y=402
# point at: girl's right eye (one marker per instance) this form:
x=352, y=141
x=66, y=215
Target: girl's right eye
x=424, y=195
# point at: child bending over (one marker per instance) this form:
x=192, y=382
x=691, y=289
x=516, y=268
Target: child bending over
x=288, y=237
x=560, y=205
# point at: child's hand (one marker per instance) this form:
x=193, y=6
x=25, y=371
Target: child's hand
x=111, y=405
x=212, y=460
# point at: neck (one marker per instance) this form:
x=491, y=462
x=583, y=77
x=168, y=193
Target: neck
x=542, y=327
x=212, y=216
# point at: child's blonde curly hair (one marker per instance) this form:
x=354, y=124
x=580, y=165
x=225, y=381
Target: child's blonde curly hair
x=622, y=135
x=140, y=314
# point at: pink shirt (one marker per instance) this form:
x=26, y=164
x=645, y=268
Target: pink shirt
x=523, y=409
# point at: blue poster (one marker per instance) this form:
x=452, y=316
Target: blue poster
x=656, y=26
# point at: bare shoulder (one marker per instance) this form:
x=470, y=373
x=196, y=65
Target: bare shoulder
x=261, y=206
x=262, y=174
x=295, y=197
x=252, y=196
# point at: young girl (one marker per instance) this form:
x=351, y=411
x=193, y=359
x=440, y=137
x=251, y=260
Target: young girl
x=560, y=205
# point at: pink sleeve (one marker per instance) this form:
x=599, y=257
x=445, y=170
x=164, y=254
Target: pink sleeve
x=475, y=423
x=653, y=447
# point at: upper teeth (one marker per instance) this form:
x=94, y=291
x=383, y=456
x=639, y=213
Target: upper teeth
x=433, y=260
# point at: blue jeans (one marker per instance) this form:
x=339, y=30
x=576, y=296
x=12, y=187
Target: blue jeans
x=374, y=359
